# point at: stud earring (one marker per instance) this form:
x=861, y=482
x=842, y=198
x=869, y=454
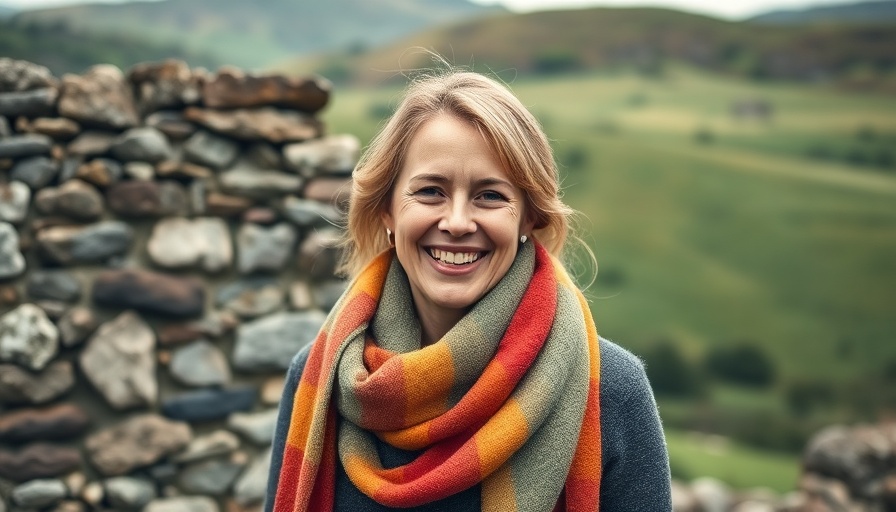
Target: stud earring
x=523, y=239
x=389, y=237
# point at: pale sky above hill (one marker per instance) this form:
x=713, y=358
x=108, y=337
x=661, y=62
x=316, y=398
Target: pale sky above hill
x=731, y=9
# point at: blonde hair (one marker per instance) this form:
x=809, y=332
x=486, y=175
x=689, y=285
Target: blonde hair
x=508, y=127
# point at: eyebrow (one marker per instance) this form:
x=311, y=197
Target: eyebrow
x=440, y=178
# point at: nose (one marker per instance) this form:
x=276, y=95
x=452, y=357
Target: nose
x=457, y=219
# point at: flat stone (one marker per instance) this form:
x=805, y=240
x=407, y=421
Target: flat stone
x=183, y=504
x=37, y=102
x=232, y=88
x=92, y=143
x=138, y=441
x=58, y=128
x=15, y=197
x=213, y=325
x=218, y=442
x=127, y=493
x=147, y=198
x=264, y=155
x=35, y=171
x=258, y=183
x=38, y=460
x=252, y=484
x=261, y=215
x=172, y=124
x=319, y=254
x=63, y=421
x=257, y=427
x=264, y=249
x=306, y=213
x=19, y=386
x=200, y=364
x=12, y=262
x=332, y=154
x=76, y=325
x=100, y=97
x=95, y=243
x=53, y=285
x=23, y=75
x=28, y=337
x=141, y=171
x=23, y=146
x=208, y=404
x=178, y=242
x=263, y=123
x=223, y=205
x=74, y=198
x=151, y=292
x=39, y=493
x=269, y=343
x=166, y=84
x=328, y=190
x=183, y=170
x=210, y=150
x=212, y=477
x=144, y=144
x=252, y=297
x=102, y=172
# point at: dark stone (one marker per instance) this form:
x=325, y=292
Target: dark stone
x=19, y=386
x=209, y=404
x=264, y=123
x=210, y=150
x=222, y=205
x=74, y=198
x=38, y=102
x=144, y=144
x=96, y=243
x=53, y=285
x=147, y=198
x=231, y=88
x=150, y=292
x=35, y=171
x=172, y=124
x=38, y=460
x=167, y=84
x=213, y=477
x=63, y=421
x=270, y=342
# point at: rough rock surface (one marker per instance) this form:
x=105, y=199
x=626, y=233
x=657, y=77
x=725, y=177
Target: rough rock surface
x=136, y=442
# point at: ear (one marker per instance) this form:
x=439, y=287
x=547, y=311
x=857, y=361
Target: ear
x=387, y=220
x=528, y=223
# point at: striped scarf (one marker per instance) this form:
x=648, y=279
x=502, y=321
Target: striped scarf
x=508, y=399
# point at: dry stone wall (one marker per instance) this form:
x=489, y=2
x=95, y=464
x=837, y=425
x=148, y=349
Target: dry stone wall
x=167, y=243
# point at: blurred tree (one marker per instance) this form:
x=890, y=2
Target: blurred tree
x=670, y=373
x=742, y=363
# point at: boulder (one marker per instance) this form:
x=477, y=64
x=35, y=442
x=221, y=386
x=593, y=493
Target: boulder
x=63, y=421
x=15, y=197
x=200, y=364
x=151, y=292
x=332, y=154
x=147, y=198
x=34, y=103
x=75, y=199
x=144, y=144
x=264, y=249
x=28, y=337
x=21, y=75
x=38, y=460
x=100, y=97
x=54, y=284
x=12, y=262
x=95, y=243
x=178, y=242
x=232, y=88
x=167, y=84
x=269, y=343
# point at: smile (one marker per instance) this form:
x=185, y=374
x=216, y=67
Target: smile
x=454, y=258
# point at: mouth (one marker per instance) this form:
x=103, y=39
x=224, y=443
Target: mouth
x=455, y=258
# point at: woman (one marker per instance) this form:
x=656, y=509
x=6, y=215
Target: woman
x=461, y=370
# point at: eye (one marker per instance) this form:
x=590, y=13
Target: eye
x=428, y=191
x=491, y=195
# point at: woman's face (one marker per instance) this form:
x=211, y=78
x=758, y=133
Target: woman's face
x=456, y=218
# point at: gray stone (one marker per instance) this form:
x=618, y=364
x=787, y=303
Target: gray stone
x=38, y=102
x=251, y=297
x=68, y=169
x=28, y=337
x=144, y=144
x=127, y=493
x=22, y=75
x=165, y=84
x=319, y=254
x=252, y=484
x=96, y=243
x=264, y=249
x=136, y=442
x=712, y=494
x=213, y=477
x=99, y=97
x=257, y=427
x=35, y=171
x=92, y=143
x=39, y=493
x=333, y=154
x=20, y=386
x=102, y=172
x=53, y=285
x=12, y=262
x=76, y=325
x=327, y=293
x=147, y=198
x=307, y=213
x=179, y=242
x=22, y=146
x=258, y=183
x=152, y=292
x=38, y=460
x=74, y=198
x=200, y=364
x=141, y=171
x=263, y=123
x=183, y=504
x=210, y=150
x=219, y=442
x=120, y=362
x=172, y=124
x=270, y=343
x=264, y=156
x=209, y=404
x=58, y=128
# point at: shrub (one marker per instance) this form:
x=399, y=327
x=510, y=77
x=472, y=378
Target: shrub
x=743, y=363
x=670, y=373
x=805, y=396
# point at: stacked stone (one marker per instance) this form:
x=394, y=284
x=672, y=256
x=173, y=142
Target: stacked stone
x=167, y=244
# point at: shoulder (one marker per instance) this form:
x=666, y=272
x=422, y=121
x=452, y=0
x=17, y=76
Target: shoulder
x=622, y=375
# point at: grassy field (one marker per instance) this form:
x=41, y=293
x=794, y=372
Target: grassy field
x=711, y=230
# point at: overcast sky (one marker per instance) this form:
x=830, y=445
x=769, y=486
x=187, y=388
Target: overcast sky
x=731, y=9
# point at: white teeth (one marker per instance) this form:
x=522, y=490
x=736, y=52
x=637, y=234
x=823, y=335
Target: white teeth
x=454, y=258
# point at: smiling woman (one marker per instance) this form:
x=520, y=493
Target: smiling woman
x=461, y=370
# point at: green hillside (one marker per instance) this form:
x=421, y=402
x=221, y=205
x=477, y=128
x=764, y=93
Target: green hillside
x=256, y=34
x=646, y=39
x=879, y=11
x=714, y=231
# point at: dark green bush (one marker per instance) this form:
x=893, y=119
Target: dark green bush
x=670, y=373
x=743, y=363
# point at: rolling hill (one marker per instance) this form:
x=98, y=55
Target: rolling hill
x=254, y=34
x=879, y=11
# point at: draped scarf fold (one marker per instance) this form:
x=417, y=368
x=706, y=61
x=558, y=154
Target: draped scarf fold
x=508, y=399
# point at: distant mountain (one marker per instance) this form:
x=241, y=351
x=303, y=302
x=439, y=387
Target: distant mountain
x=881, y=11
x=6, y=12
x=634, y=38
x=255, y=34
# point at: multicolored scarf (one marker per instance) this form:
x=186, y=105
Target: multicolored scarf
x=508, y=399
